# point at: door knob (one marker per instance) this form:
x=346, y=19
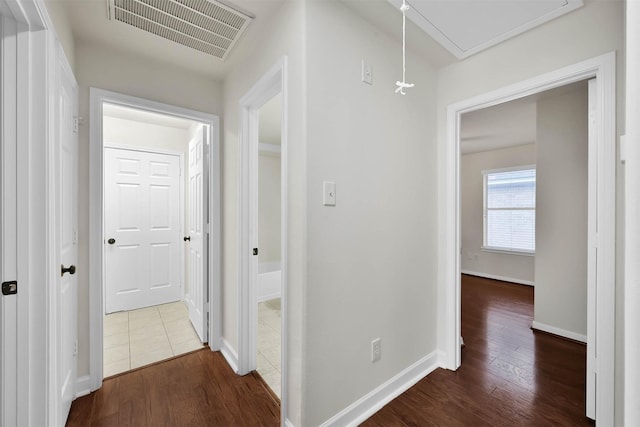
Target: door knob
x=187, y=238
x=111, y=241
x=71, y=269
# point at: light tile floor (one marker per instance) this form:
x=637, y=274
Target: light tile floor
x=269, y=349
x=140, y=337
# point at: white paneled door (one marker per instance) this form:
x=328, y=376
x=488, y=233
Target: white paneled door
x=67, y=295
x=194, y=294
x=142, y=229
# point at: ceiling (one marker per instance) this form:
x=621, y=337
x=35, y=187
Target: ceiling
x=506, y=125
x=89, y=21
x=466, y=27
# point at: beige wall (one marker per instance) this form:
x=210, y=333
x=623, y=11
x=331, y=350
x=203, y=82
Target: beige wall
x=105, y=69
x=63, y=30
x=286, y=38
x=592, y=30
x=371, y=258
x=561, y=212
x=516, y=267
x=269, y=208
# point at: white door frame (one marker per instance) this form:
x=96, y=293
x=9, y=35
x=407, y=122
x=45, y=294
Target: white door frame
x=181, y=195
x=33, y=65
x=272, y=83
x=631, y=148
x=603, y=68
x=96, y=218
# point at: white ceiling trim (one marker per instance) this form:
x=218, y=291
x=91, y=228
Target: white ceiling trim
x=457, y=38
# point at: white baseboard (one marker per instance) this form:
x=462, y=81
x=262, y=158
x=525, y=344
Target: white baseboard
x=369, y=404
x=502, y=278
x=83, y=386
x=263, y=298
x=560, y=332
x=230, y=354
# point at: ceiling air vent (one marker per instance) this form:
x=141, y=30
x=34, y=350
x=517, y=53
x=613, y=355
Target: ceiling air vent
x=208, y=26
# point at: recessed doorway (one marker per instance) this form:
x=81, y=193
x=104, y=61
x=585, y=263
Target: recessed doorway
x=155, y=221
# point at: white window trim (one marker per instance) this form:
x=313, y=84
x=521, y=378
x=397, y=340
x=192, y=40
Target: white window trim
x=495, y=249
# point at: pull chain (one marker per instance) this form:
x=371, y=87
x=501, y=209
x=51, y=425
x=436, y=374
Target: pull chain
x=403, y=84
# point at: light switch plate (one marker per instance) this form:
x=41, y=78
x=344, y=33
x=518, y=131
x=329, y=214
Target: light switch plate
x=329, y=193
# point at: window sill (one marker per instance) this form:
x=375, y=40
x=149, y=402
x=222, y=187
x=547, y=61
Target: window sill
x=507, y=251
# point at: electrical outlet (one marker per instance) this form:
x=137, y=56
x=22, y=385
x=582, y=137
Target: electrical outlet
x=376, y=350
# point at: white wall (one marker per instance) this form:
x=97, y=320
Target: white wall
x=561, y=212
x=518, y=268
x=269, y=208
x=371, y=258
x=286, y=38
x=118, y=72
x=592, y=30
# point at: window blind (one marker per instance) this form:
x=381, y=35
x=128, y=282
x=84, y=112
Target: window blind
x=510, y=210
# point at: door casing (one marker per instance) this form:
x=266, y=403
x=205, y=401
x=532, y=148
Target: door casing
x=96, y=218
x=273, y=82
x=602, y=308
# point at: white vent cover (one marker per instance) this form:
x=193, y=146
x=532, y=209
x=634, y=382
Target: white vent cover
x=205, y=25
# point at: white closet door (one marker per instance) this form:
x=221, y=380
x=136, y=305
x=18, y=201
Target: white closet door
x=142, y=229
x=194, y=294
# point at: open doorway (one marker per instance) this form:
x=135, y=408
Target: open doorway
x=152, y=191
x=269, y=282
x=524, y=187
x=154, y=222
x=601, y=218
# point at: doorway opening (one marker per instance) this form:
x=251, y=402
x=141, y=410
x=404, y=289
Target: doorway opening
x=154, y=222
x=601, y=217
x=268, y=92
x=153, y=295
x=269, y=281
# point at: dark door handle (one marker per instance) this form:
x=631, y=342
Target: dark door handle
x=71, y=269
x=255, y=251
x=111, y=241
x=187, y=238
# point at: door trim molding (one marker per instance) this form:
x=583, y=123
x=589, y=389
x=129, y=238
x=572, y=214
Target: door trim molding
x=273, y=82
x=604, y=69
x=96, y=220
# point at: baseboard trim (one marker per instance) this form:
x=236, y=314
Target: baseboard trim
x=359, y=411
x=268, y=297
x=502, y=278
x=83, y=386
x=559, y=332
x=230, y=354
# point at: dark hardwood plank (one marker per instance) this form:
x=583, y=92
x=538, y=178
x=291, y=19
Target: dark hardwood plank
x=198, y=389
x=510, y=375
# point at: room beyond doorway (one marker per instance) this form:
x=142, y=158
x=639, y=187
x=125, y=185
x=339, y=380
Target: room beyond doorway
x=152, y=211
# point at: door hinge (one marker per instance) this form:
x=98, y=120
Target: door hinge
x=10, y=288
x=255, y=251
x=75, y=348
x=76, y=124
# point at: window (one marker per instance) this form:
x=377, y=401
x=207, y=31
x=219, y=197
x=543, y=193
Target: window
x=510, y=209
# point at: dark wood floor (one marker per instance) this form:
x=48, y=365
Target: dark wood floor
x=198, y=389
x=510, y=375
